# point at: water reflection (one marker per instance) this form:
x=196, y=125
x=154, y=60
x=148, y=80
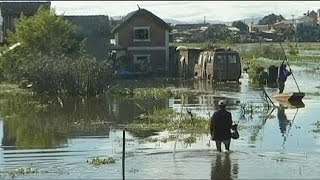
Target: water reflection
x=42, y=122
x=222, y=168
x=211, y=86
x=284, y=123
x=283, y=120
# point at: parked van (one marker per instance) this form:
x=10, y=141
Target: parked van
x=219, y=65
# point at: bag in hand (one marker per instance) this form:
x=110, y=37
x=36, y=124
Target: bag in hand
x=234, y=132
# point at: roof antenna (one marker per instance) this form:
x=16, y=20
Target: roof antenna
x=138, y=6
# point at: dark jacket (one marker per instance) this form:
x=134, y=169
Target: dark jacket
x=283, y=73
x=220, y=124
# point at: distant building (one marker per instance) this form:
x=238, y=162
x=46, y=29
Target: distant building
x=258, y=28
x=314, y=16
x=234, y=30
x=283, y=26
x=304, y=19
x=11, y=12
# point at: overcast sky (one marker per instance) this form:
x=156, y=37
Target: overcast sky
x=189, y=10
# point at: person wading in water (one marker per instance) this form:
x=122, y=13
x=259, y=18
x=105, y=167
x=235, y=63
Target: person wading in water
x=220, y=126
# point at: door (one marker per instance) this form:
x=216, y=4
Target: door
x=233, y=67
x=220, y=67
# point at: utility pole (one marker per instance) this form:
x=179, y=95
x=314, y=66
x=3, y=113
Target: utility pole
x=295, y=30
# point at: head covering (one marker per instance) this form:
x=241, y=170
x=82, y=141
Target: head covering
x=222, y=103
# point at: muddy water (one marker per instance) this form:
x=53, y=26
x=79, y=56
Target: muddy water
x=60, y=140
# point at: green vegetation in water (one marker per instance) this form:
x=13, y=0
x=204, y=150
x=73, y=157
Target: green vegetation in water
x=12, y=90
x=168, y=120
x=317, y=124
x=143, y=93
x=101, y=160
x=313, y=94
x=19, y=171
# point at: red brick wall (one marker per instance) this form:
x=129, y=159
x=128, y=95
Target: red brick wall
x=126, y=33
x=157, y=57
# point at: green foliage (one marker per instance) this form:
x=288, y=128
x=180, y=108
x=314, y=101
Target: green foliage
x=269, y=51
x=292, y=50
x=307, y=32
x=101, y=160
x=52, y=58
x=167, y=119
x=217, y=33
x=20, y=171
x=270, y=19
x=45, y=32
x=144, y=93
x=254, y=71
x=241, y=26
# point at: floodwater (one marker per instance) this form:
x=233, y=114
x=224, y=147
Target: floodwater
x=59, y=141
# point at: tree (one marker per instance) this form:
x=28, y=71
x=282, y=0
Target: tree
x=241, y=26
x=270, y=19
x=52, y=58
x=45, y=32
x=217, y=32
x=307, y=32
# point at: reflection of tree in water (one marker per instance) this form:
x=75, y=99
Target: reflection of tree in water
x=253, y=118
x=44, y=122
x=223, y=168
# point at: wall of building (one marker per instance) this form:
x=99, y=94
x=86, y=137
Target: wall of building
x=97, y=31
x=157, y=33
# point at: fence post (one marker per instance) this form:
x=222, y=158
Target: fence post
x=123, y=152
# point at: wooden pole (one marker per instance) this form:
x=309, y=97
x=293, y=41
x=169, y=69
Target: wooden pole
x=123, y=152
x=289, y=66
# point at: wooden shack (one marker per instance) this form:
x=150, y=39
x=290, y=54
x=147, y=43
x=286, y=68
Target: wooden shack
x=186, y=64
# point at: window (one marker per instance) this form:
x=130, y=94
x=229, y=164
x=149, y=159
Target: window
x=142, y=34
x=142, y=63
x=140, y=59
x=220, y=58
x=232, y=58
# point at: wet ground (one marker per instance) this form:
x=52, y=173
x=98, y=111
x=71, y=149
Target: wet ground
x=58, y=143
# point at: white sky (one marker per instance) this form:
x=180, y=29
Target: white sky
x=189, y=10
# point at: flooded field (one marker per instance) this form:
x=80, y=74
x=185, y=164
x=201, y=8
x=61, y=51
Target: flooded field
x=58, y=142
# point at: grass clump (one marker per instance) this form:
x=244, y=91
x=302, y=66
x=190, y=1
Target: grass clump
x=167, y=120
x=19, y=171
x=101, y=160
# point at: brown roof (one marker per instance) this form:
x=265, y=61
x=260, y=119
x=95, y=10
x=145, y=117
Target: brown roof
x=313, y=13
x=144, y=12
